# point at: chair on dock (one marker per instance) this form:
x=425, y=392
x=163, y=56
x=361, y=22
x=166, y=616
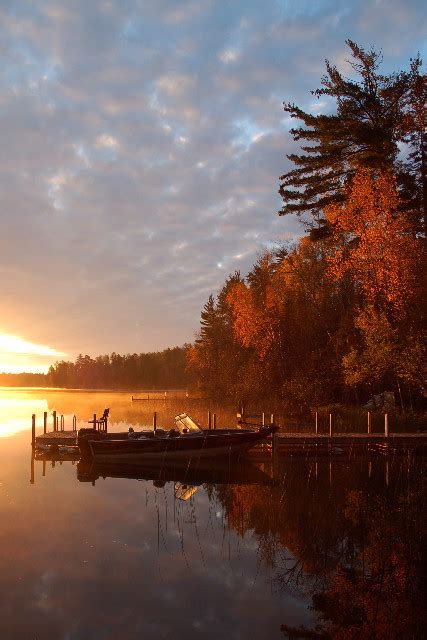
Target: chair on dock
x=100, y=423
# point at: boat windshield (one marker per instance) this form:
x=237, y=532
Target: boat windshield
x=185, y=424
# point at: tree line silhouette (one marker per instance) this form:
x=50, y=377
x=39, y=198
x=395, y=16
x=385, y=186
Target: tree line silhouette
x=159, y=370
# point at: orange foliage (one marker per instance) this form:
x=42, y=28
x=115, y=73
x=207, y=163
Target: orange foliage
x=372, y=242
x=253, y=323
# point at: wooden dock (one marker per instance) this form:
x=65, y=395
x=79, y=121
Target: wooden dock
x=344, y=443
x=300, y=443
x=281, y=444
x=57, y=437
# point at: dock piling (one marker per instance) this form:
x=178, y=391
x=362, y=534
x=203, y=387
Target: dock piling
x=214, y=420
x=386, y=425
x=209, y=420
x=369, y=422
x=275, y=452
x=32, y=468
x=155, y=422
x=45, y=422
x=33, y=430
x=54, y=420
x=316, y=424
x=330, y=425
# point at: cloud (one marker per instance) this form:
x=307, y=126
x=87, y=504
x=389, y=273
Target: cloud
x=106, y=141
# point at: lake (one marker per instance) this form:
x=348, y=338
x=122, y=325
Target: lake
x=235, y=553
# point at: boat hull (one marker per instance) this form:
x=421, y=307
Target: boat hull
x=210, y=444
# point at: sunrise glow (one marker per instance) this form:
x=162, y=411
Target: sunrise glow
x=18, y=354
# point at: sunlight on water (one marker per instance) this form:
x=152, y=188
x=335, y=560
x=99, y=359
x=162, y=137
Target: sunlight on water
x=16, y=410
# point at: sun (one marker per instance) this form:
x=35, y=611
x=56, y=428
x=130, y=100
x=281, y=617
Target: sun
x=19, y=355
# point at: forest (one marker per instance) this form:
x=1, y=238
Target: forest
x=338, y=315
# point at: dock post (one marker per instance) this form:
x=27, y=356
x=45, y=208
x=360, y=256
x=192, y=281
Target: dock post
x=32, y=468
x=209, y=420
x=45, y=422
x=369, y=423
x=263, y=419
x=386, y=425
x=62, y=422
x=74, y=423
x=155, y=422
x=33, y=430
x=275, y=452
x=272, y=418
x=54, y=420
x=316, y=423
x=330, y=425
x=214, y=420
x=57, y=423
x=94, y=421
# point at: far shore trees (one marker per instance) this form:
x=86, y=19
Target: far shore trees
x=160, y=370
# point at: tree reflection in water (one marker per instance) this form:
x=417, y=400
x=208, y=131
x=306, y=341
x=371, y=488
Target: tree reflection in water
x=354, y=542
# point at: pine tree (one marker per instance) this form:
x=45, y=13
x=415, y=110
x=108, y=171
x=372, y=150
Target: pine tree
x=364, y=132
x=415, y=127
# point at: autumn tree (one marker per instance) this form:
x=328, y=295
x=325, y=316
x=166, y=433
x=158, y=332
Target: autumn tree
x=379, y=250
x=294, y=321
x=373, y=243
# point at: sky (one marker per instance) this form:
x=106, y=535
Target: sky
x=142, y=143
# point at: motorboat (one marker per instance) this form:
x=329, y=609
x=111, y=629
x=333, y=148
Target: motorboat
x=186, y=441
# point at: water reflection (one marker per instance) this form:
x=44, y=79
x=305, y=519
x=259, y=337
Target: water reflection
x=333, y=546
x=345, y=536
x=199, y=472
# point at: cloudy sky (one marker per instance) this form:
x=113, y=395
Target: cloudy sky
x=141, y=147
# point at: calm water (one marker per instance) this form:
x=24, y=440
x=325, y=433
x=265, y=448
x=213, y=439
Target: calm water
x=92, y=557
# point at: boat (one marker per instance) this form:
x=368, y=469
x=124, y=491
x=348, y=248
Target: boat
x=184, y=442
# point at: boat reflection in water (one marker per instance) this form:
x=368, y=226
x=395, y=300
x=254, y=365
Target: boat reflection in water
x=187, y=477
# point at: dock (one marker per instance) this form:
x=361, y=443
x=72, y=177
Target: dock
x=59, y=435
x=282, y=443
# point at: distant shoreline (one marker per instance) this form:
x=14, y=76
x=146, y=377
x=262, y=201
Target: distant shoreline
x=95, y=390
